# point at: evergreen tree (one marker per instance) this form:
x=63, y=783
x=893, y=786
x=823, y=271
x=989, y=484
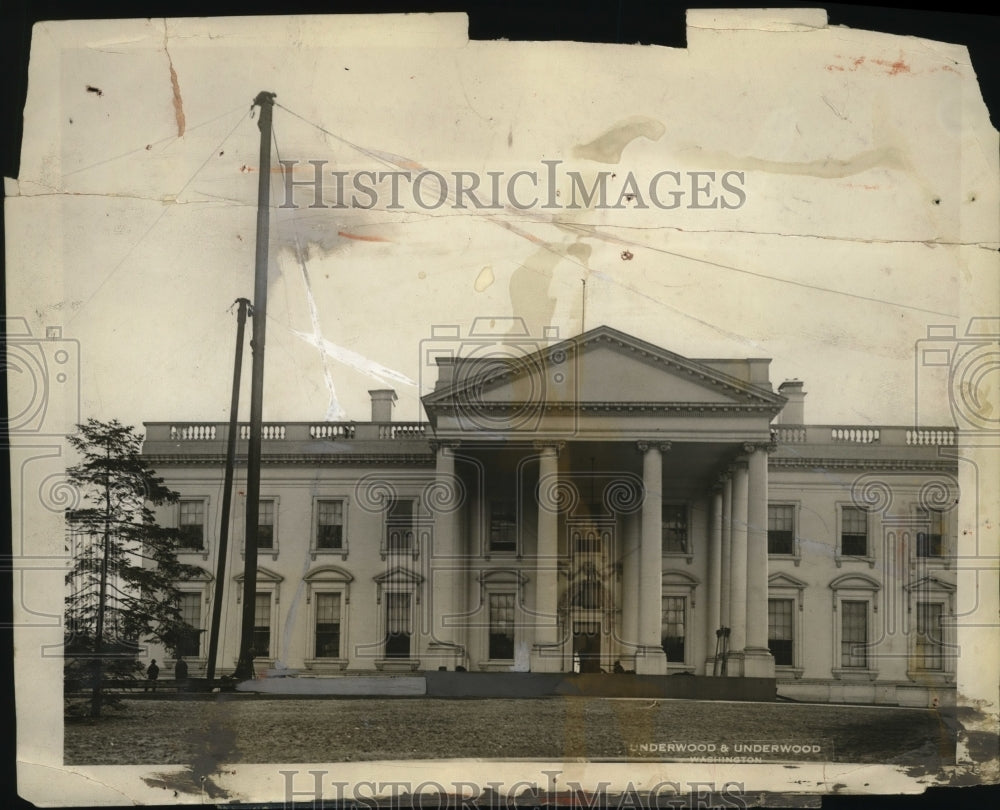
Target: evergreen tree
x=124, y=572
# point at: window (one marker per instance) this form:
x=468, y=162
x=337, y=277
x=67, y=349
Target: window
x=501, y=626
x=785, y=622
x=503, y=525
x=854, y=634
x=262, y=625
x=265, y=524
x=190, y=642
x=855, y=614
x=588, y=593
x=930, y=539
x=501, y=593
x=328, y=625
x=853, y=531
x=590, y=539
x=192, y=523
x=675, y=529
x=780, y=529
x=330, y=525
x=780, y=631
x=397, y=625
x=399, y=526
x=328, y=591
x=933, y=652
x=672, y=627
x=929, y=644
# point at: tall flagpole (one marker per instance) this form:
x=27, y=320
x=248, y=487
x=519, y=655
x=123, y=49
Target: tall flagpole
x=244, y=667
x=227, y=494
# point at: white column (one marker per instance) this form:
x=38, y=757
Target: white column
x=546, y=655
x=630, y=590
x=650, y=659
x=738, y=568
x=758, y=661
x=714, y=575
x=446, y=579
x=727, y=548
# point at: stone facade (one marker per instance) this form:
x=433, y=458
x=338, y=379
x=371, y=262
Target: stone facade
x=598, y=504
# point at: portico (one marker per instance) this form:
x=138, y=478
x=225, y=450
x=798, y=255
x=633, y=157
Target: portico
x=620, y=492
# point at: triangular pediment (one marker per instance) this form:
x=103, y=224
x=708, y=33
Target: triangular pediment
x=930, y=583
x=601, y=368
x=785, y=580
x=263, y=575
x=398, y=576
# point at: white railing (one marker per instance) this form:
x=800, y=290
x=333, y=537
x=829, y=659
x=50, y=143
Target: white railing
x=288, y=431
x=192, y=433
x=936, y=438
x=402, y=430
x=267, y=432
x=332, y=430
x=788, y=435
x=855, y=435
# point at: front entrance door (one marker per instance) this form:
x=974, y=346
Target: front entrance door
x=591, y=600
x=587, y=646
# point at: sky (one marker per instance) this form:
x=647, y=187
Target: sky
x=858, y=209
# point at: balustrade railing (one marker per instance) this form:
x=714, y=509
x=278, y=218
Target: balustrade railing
x=287, y=431
x=401, y=431
x=332, y=430
x=863, y=435
x=939, y=438
x=193, y=433
x=270, y=432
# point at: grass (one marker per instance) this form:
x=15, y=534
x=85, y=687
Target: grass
x=226, y=729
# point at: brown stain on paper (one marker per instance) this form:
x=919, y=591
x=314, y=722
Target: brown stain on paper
x=175, y=88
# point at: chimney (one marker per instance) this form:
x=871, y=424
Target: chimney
x=446, y=371
x=382, y=400
x=794, y=412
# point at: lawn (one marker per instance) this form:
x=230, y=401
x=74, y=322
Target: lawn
x=227, y=729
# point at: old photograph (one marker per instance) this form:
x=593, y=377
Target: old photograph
x=397, y=416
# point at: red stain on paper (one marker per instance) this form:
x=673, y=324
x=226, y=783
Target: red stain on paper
x=855, y=63
x=895, y=68
x=361, y=237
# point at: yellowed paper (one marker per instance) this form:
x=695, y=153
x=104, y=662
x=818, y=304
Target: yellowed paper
x=824, y=197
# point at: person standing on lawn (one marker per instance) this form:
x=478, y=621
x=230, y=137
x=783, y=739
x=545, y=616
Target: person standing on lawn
x=152, y=673
x=181, y=673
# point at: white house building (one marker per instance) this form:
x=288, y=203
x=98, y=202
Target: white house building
x=600, y=504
